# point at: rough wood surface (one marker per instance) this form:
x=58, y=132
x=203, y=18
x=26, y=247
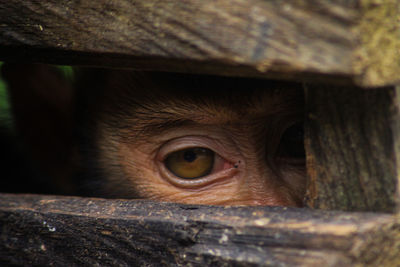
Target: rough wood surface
x=352, y=143
x=335, y=40
x=69, y=231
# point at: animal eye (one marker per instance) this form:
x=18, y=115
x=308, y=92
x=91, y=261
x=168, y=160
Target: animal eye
x=190, y=163
x=292, y=143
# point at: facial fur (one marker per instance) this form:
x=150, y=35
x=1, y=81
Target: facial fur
x=142, y=117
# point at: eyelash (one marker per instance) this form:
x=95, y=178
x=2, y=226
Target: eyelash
x=289, y=151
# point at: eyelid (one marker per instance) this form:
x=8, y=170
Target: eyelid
x=196, y=141
x=199, y=182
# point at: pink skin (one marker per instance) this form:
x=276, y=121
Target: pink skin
x=240, y=175
x=242, y=127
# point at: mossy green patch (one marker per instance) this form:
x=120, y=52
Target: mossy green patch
x=5, y=114
x=377, y=61
x=68, y=72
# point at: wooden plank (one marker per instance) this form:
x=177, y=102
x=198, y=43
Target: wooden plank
x=69, y=231
x=352, y=143
x=337, y=41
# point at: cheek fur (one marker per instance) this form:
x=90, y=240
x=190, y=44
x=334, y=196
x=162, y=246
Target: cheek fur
x=236, y=191
x=138, y=177
x=295, y=179
x=138, y=172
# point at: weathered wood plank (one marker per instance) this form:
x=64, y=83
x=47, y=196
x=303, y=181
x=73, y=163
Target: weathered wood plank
x=338, y=41
x=352, y=143
x=69, y=231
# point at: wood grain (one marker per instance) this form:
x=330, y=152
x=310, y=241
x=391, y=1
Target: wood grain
x=70, y=231
x=336, y=41
x=352, y=143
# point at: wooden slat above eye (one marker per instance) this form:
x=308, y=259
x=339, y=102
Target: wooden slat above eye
x=354, y=41
x=69, y=231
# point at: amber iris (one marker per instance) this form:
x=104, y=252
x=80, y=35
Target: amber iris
x=191, y=163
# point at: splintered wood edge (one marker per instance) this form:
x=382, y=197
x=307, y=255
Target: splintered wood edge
x=201, y=234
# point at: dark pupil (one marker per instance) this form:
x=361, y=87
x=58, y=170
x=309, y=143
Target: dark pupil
x=189, y=155
x=292, y=142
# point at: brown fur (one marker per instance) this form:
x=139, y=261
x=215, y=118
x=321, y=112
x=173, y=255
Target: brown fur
x=122, y=118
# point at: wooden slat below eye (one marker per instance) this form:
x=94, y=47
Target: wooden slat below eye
x=335, y=41
x=68, y=231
